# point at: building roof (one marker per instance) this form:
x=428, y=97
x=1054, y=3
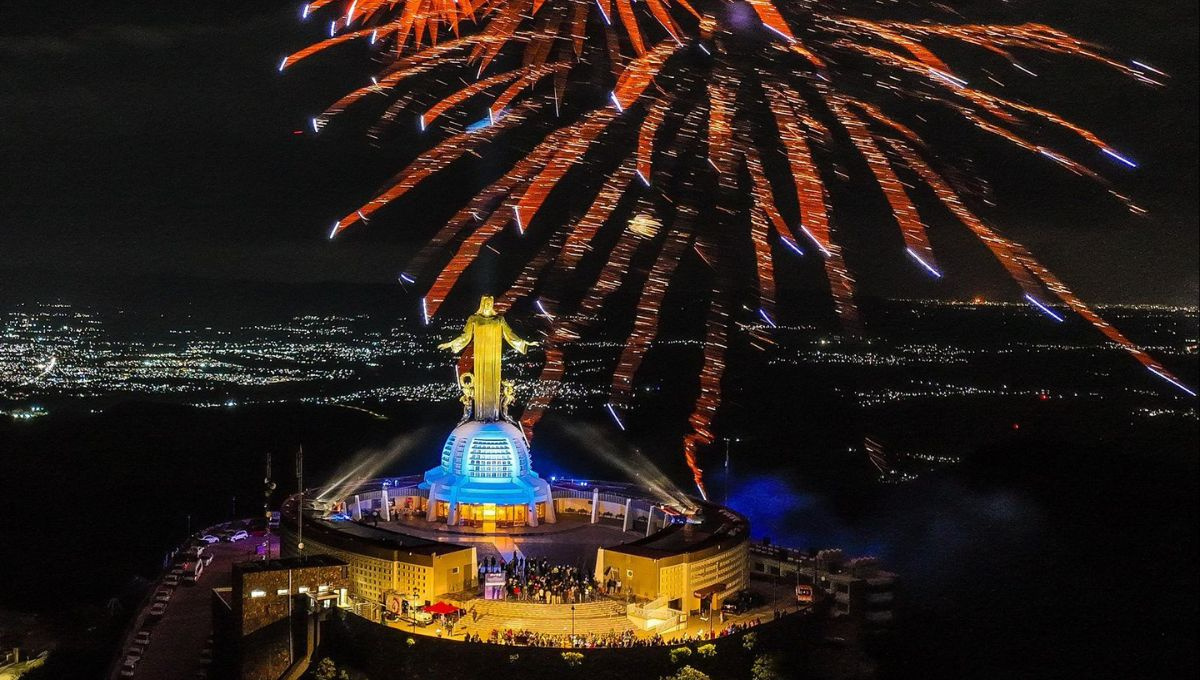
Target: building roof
x=712, y=526
x=286, y=563
x=360, y=538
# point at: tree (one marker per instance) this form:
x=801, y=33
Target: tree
x=680, y=654
x=573, y=659
x=749, y=640
x=707, y=651
x=765, y=667
x=687, y=673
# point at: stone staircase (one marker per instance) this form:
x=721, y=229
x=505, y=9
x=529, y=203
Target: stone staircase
x=599, y=616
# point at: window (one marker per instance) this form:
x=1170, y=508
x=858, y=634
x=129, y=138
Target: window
x=281, y=591
x=258, y=593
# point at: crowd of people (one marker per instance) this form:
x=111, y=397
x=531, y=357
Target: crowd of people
x=528, y=638
x=538, y=580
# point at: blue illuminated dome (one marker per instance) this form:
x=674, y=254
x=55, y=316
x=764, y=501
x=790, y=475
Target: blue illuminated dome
x=486, y=464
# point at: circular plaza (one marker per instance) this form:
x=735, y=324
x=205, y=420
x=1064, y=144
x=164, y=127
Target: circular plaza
x=616, y=560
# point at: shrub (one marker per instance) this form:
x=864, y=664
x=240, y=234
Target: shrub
x=707, y=651
x=750, y=640
x=410, y=642
x=573, y=659
x=326, y=670
x=765, y=668
x=513, y=658
x=680, y=654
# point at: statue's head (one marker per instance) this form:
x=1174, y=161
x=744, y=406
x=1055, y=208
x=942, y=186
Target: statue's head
x=487, y=306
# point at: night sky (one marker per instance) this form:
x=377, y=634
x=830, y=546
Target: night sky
x=152, y=141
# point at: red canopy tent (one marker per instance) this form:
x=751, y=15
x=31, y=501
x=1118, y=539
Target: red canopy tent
x=440, y=607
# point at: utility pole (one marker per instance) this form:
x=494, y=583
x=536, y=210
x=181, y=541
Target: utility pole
x=268, y=487
x=291, y=624
x=300, y=507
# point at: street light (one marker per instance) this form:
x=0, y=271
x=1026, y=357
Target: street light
x=727, y=441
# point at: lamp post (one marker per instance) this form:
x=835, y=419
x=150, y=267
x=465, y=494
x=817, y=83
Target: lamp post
x=300, y=502
x=572, y=625
x=727, y=441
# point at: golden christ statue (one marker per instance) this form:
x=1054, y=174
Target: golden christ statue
x=489, y=331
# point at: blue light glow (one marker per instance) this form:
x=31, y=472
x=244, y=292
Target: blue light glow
x=613, y=97
x=809, y=234
x=607, y=21
x=791, y=244
x=1173, y=381
x=616, y=418
x=924, y=264
x=1123, y=159
x=1045, y=310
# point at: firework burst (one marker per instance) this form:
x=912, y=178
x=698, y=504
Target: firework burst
x=721, y=123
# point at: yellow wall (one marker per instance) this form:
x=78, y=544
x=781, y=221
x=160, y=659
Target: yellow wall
x=678, y=576
x=445, y=580
x=429, y=576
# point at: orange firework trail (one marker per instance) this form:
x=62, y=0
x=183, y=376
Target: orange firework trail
x=717, y=123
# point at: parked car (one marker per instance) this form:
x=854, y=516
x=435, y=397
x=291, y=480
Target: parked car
x=420, y=618
x=142, y=638
x=239, y=535
x=135, y=650
x=207, y=559
x=210, y=539
x=158, y=609
x=741, y=602
x=163, y=595
x=171, y=579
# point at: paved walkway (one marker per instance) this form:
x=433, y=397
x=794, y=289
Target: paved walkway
x=599, y=616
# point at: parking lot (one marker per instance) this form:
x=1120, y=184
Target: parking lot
x=180, y=644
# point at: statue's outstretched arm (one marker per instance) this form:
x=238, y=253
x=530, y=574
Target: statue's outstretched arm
x=514, y=340
x=460, y=343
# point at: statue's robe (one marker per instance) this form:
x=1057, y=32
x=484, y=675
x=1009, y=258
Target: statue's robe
x=489, y=334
